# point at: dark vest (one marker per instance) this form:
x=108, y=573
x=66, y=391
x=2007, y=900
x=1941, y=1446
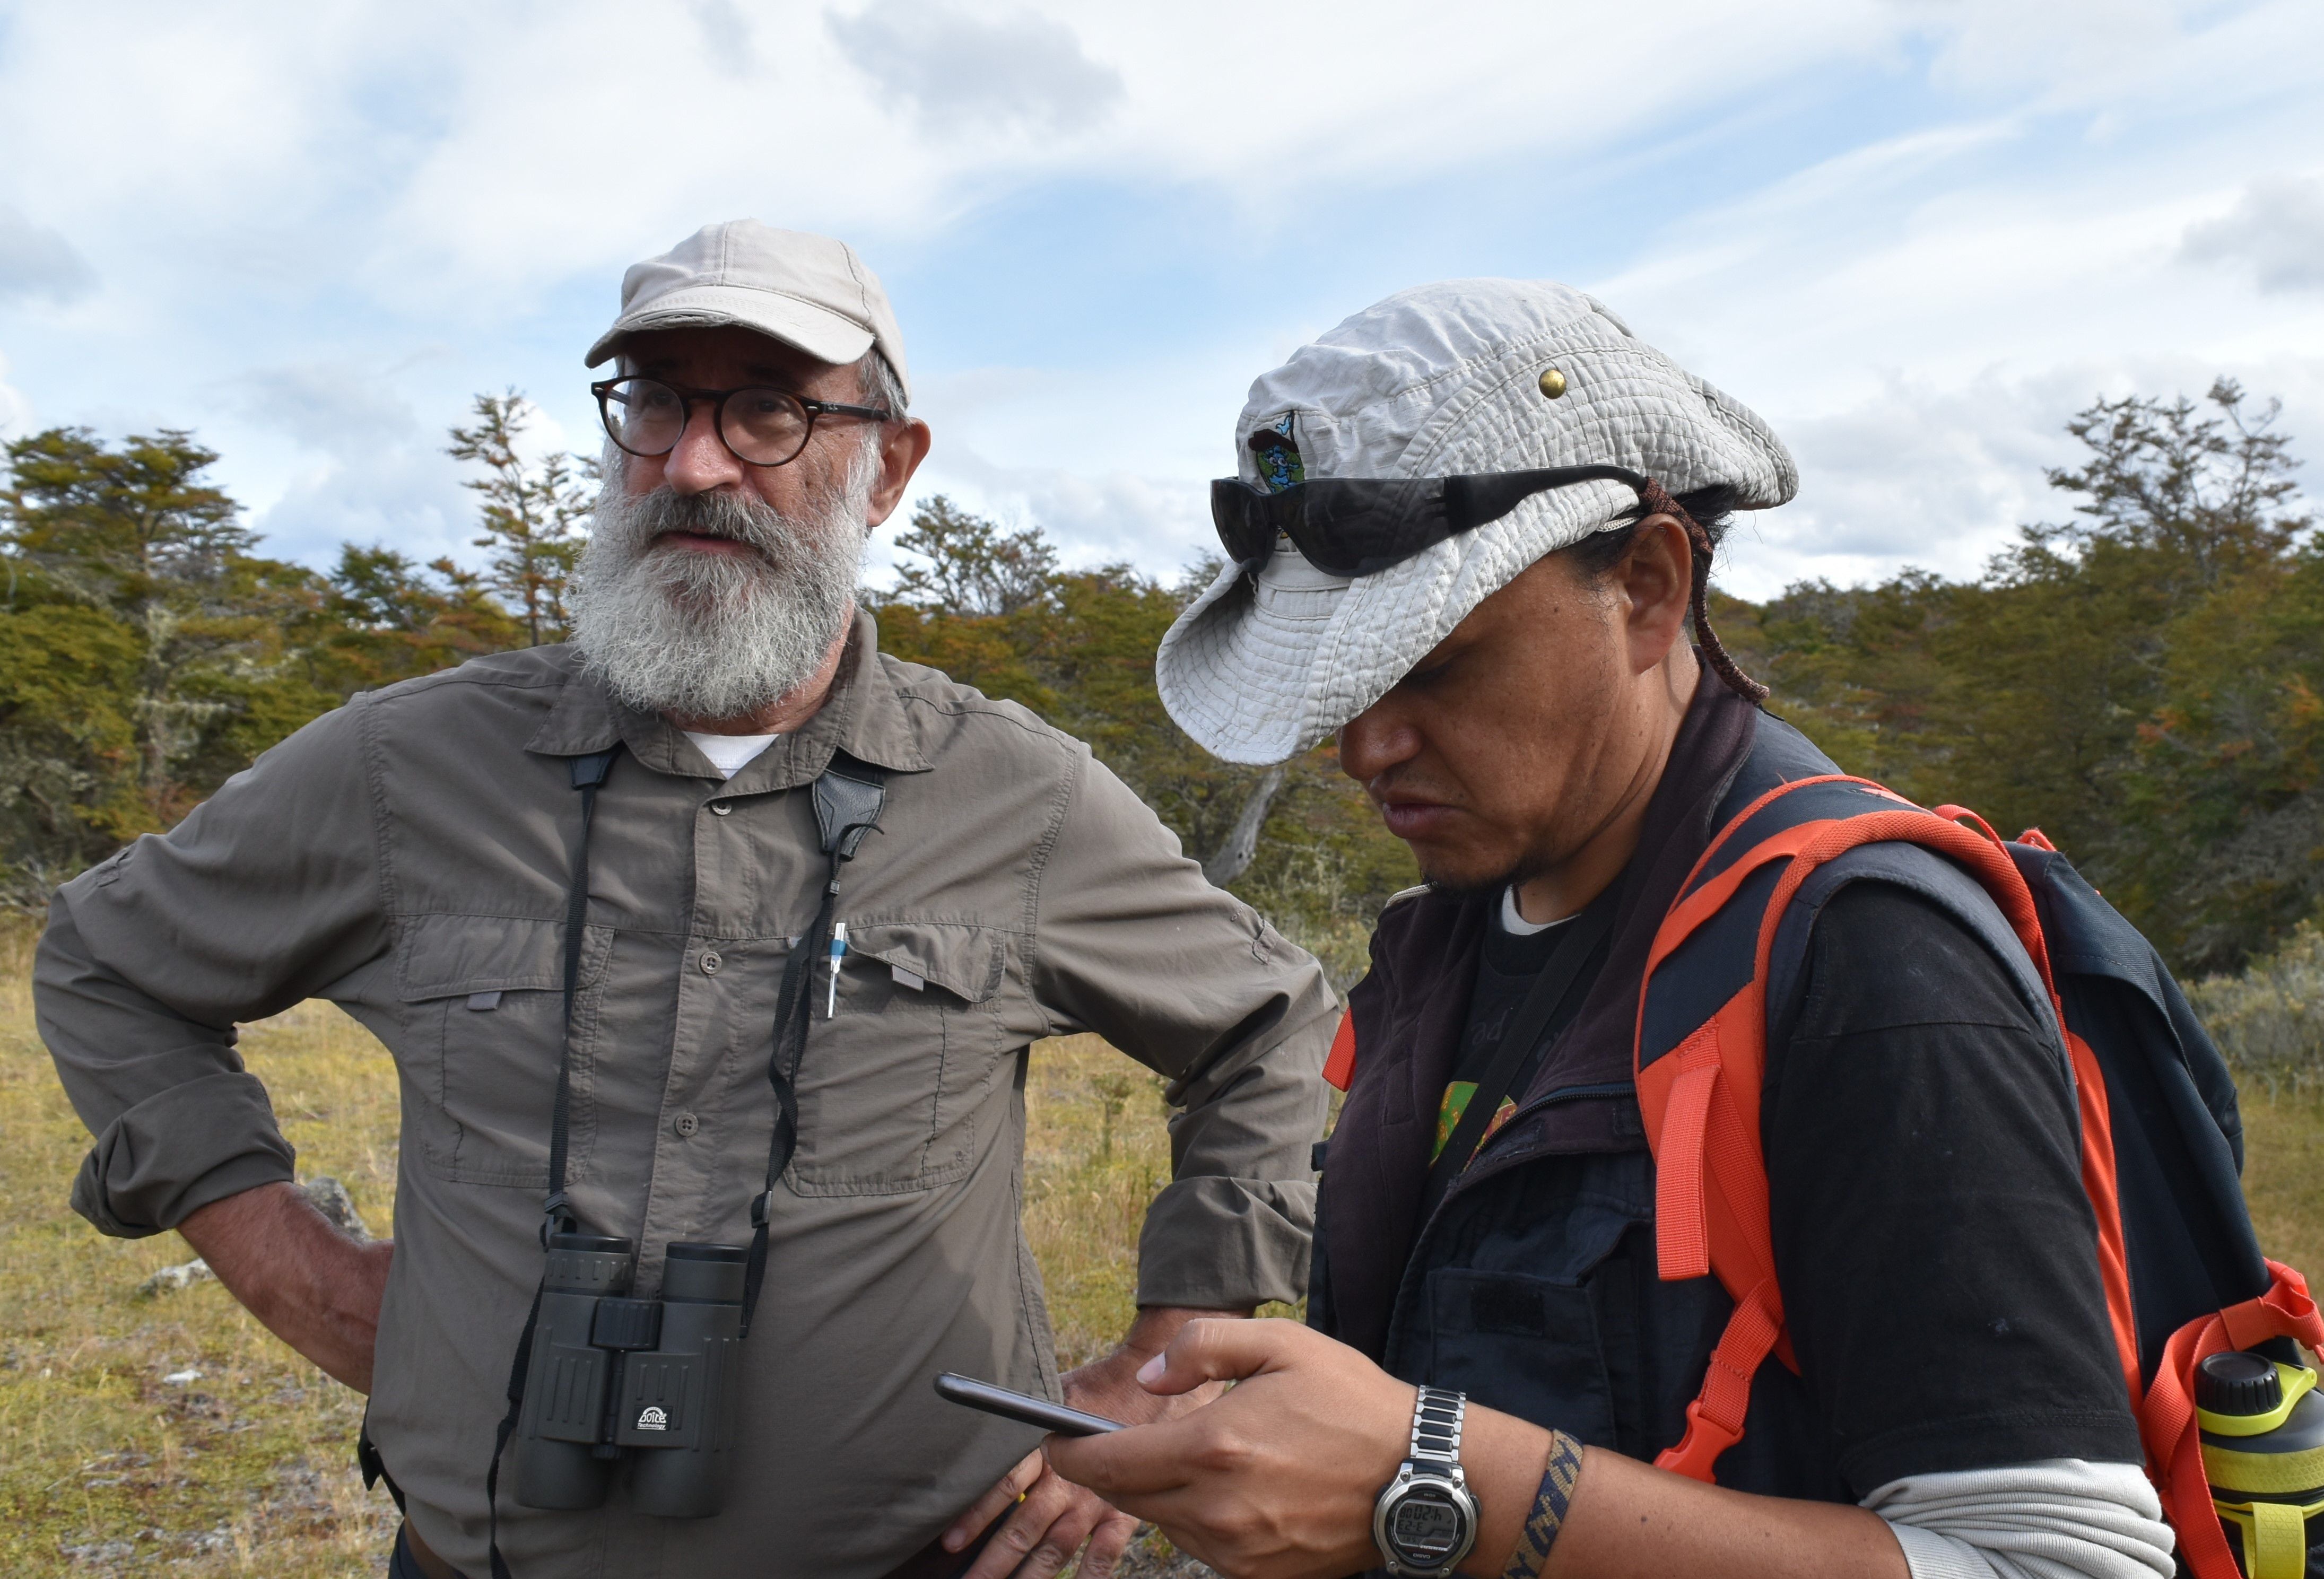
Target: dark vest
x=1533, y=1287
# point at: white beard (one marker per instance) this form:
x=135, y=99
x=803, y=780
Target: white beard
x=717, y=636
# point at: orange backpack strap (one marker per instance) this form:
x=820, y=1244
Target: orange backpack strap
x=2173, y=1436
x=1700, y=1094
x=1340, y=1066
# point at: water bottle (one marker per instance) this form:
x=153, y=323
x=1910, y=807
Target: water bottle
x=2262, y=1426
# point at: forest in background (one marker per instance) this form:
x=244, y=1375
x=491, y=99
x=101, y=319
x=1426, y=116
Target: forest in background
x=2143, y=679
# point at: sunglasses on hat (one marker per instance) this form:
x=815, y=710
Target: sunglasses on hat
x=1360, y=526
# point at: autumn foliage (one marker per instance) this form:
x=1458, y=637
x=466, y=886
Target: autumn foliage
x=2145, y=680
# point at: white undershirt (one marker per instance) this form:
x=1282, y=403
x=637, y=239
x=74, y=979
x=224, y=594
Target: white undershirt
x=1514, y=923
x=2058, y=1518
x=730, y=754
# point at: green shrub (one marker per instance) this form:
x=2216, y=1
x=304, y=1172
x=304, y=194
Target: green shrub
x=2269, y=1020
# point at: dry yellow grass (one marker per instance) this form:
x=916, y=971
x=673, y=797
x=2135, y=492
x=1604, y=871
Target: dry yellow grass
x=1096, y=1151
x=113, y=1461
x=2283, y=1179
x=108, y=1465
x=112, y=1457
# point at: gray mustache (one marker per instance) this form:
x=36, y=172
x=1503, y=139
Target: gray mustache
x=720, y=515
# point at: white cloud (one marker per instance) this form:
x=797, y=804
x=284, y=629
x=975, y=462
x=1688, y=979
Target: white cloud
x=15, y=411
x=2277, y=231
x=2072, y=48
x=1918, y=316
x=1102, y=518
x=727, y=36
x=959, y=72
x=35, y=261
x=460, y=157
x=1915, y=236
x=339, y=409
x=367, y=471
x=1914, y=474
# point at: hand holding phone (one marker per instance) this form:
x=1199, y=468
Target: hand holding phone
x=1021, y=1407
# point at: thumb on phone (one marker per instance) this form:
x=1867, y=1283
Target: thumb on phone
x=1223, y=1350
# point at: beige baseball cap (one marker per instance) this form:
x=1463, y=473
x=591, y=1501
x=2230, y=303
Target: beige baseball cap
x=806, y=290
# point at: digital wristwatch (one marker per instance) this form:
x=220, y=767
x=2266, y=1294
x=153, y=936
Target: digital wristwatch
x=1426, y=1521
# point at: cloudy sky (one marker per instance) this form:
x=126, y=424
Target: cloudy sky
x=1916, y=235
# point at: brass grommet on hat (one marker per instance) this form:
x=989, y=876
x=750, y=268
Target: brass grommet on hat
x=1553, y=382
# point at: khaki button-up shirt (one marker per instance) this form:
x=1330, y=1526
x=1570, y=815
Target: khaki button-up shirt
x=408, y=857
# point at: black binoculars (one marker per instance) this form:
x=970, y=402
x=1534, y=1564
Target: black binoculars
x=651, y=1381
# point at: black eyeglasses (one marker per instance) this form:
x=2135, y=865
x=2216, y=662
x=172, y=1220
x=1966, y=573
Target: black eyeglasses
x=762, y=426
x=1359, y=526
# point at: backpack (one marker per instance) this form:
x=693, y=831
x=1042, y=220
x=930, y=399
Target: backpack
x=2161, y=1137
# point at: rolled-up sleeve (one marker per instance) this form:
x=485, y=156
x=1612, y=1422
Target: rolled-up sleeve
x=1134, y=944
x=265, y=895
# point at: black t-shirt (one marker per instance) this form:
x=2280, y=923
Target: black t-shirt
x=1931, y=1235
x=1507, y=967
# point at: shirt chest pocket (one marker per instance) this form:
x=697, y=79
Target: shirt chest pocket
x=910, y=1072
x=485, y=998
x=1539, y=1314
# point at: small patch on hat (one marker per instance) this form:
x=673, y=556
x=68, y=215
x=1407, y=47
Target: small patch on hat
x=1276, y=448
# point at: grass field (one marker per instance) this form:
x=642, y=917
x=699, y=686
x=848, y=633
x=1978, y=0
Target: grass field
x=173, y=1433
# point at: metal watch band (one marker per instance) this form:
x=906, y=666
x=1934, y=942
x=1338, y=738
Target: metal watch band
x=1425, y=1520
x=1436, y=1419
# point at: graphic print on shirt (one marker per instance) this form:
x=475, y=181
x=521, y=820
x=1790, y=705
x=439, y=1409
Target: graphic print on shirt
x=1507, y=967
x=1458, y=1095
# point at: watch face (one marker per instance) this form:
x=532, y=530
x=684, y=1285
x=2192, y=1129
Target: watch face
x=1425, y=1526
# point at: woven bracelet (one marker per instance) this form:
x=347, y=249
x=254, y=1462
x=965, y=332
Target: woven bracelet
x=1547, y=1516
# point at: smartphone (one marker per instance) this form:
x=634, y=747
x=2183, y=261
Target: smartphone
x=1024, y=1406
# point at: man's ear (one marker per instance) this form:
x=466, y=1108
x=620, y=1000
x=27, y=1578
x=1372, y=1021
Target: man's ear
x=1657, y=580
x=902, y=447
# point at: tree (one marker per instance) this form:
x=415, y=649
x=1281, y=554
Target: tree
x=534, y=517
x=389, y=619
x=2141, y=680
x=2145, y=680
x=974, y=567
x=1233, y=858
x=147, y=650
x=2202, y=493
x=990, y=609
x=68, y=737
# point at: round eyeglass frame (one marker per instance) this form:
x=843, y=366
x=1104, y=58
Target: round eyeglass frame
x=719, y=398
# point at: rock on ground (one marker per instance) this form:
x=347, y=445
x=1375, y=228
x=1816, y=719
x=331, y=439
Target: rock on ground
x=170, y=1280
x=331, y=1199
x=1150, y=1556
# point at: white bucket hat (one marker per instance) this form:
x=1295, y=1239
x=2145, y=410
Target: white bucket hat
x=806, y=290
x=1448, y=378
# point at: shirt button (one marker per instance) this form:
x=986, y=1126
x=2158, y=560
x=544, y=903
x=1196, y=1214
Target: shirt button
x=722, y=808
x=685, y=1124
x=710, y=962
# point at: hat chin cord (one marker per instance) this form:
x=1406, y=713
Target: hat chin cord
x=1658, y=502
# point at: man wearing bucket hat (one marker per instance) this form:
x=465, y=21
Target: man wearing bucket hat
x=1468, y=528
x=709, y=948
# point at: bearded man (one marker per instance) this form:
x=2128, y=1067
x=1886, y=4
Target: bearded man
x=583, y=894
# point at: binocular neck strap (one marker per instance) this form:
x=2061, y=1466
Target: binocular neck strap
x=589, y=774
x=848, y=800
